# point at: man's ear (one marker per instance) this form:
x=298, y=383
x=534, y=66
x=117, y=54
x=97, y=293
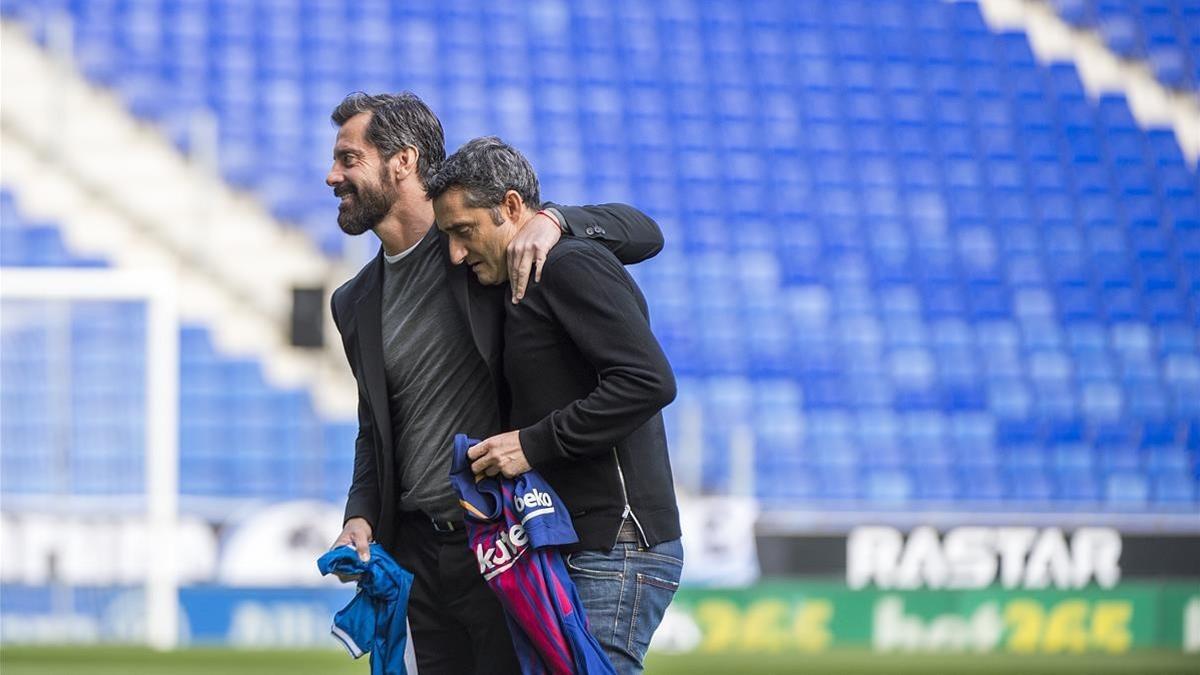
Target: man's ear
x=404, y=163
x=512, y=206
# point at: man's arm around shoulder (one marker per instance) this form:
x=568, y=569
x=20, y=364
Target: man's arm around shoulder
x=629, y=233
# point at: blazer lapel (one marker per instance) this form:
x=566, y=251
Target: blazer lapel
x=483, y=307
x=369, y=319
x=486, y=309
x=486, y=306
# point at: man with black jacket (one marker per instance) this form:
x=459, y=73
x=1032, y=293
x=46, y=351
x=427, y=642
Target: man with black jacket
x=588, y=382
x=423, y=340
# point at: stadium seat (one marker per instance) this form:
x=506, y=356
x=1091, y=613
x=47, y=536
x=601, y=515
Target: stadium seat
x=232, y=422
x=1127, y=490
x=924, y=265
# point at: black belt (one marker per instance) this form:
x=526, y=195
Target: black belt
x=628, y=533
x=445, y=526
x=435, y=524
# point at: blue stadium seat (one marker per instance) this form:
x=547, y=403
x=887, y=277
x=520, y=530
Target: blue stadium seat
x=1172, y=489
x=981, y=485
x=937, y=485
x=918, y=228
x=1076, y=485
x=890, y=487
x=232, y=422
x=1028, y=485
x=1160, y=434
x=1127, y=490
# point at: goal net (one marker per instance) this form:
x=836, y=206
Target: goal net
x=88, y=456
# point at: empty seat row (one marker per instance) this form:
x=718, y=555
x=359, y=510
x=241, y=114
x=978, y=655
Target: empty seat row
x=869, y=208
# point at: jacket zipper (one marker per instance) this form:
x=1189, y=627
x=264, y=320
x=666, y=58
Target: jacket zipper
x=628, y=512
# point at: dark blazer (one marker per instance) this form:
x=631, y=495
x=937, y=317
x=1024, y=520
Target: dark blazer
x=356, y=306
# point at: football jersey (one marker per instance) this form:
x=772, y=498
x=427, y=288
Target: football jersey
x=513, y=527
x=374, y=621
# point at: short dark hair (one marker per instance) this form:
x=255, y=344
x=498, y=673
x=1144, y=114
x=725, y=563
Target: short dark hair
x=398, y=121
x=486, y=168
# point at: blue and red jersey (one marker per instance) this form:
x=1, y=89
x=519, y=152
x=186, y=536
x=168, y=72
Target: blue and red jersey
x=514, y=527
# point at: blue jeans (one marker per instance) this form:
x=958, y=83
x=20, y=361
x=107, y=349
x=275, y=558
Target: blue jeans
x=625, y=593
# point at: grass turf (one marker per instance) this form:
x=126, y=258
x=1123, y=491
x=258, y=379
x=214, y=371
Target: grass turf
x=132, y=661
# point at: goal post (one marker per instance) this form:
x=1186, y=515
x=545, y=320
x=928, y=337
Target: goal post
x=158, y=290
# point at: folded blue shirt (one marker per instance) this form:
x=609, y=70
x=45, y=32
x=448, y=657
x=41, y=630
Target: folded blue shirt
x=374, y=621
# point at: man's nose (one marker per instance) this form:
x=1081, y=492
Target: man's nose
x=458, y=253
x=333, y=177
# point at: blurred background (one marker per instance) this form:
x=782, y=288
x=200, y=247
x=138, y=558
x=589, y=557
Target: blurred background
x=931, y=289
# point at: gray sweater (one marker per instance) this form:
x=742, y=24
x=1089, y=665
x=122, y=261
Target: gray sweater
x=437, y=382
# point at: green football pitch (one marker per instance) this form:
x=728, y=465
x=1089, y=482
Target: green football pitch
x=126, y=661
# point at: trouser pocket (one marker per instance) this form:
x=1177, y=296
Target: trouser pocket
x=655, y=574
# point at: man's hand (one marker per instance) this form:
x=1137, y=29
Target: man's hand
x=357, y=533
x=528, y=250
x=500, y=454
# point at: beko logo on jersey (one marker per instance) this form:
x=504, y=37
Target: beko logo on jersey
x=538, y=503
x=509, y=546
x=531, y=500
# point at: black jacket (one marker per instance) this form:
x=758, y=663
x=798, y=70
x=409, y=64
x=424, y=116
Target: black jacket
x=589, y=382
x=357, y=312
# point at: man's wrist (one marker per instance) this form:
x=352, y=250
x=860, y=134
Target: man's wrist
x=555, y=215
